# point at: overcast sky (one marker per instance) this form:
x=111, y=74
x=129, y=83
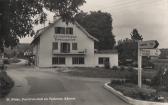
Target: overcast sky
x=150, y=17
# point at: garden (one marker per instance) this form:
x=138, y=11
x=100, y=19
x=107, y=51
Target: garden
x=154, y=88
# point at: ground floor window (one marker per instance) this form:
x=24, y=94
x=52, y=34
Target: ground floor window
x=103, y=60
x=58, y=60
x=78, y=60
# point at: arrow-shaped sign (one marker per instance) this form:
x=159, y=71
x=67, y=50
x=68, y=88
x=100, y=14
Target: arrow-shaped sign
x=148, y=44
x=150, y=52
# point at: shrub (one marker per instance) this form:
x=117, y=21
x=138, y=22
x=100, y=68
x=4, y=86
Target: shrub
x=106, y=65
x=6, y=61
x=161, y=79
x=122, y=68
x=115, y=68
x=130, y=68
x=118, y=82
x=133, y=77
x=6, y=83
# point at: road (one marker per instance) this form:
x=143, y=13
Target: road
x=48, y=87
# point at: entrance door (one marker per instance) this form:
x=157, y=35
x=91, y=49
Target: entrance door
x=65, y=47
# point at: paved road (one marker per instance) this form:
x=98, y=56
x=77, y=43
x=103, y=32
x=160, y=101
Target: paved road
x=56, y=88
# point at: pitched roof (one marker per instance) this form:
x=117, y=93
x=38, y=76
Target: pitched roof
x=41, y=31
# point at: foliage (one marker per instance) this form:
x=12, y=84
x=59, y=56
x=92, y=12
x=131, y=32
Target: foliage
x=98, y=24
x=131, y=90
x=127, y=50
x=135, y=35
x=18, y=16
x=161, y=79
x=122, y=68
x=6, y=84
x=107, y=65
x=114, y=68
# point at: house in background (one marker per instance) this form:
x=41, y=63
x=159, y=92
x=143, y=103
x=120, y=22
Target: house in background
x=69, y=45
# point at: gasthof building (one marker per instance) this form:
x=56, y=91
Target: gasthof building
x=69, y=45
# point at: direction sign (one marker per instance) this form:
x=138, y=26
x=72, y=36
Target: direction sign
x=150, y=52
x=148, y=44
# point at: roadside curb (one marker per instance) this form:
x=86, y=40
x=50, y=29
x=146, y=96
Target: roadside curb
x=130, y=100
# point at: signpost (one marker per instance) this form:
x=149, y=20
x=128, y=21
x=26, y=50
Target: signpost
x=151, y=44
x=146, y=48
x=150, y=52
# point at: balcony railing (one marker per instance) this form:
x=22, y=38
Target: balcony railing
x=82, y=52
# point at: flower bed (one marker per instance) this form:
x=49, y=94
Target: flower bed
x=145, y=93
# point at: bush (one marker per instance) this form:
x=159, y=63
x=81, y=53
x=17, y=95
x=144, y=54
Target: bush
x=118, y=82
x=115, y=68
x=6, y=61
x=133, y=77
x=6, y=83
x=161, y=79
x=122, y=68
x=106, y=65
x=130, y=68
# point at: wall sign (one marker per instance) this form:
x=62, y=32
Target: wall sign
x=65, y=37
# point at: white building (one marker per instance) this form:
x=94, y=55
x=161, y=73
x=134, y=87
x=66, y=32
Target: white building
x=69, y=45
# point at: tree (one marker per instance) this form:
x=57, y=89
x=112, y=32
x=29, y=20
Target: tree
x=98, y=24
x=135, y=35
x=18, y=16
x=128, y=49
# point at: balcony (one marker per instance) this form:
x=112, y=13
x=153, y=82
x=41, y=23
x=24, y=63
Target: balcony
x=82, y=52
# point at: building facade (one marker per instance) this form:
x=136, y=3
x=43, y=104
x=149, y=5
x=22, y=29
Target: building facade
x=68, y=45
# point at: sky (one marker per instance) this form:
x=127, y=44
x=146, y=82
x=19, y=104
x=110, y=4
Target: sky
x=149, y=17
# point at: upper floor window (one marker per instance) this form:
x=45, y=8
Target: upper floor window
x=74, y=46
x=55, y=46
x=59, y=30
x=63, y=30
x=69, y=30
x=65, y=47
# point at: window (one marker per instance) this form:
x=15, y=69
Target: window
x=59, y=30
x=69, y=30
x=65, y=47
x=78, y=60
x=103, y=60
x=55, y=46
x=74, y=46
x=62, y=30
x=58, y=60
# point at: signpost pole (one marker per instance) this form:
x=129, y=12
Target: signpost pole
x=139, y=67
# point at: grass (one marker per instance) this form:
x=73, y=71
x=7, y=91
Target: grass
x=107, y=73
x=6, y=83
